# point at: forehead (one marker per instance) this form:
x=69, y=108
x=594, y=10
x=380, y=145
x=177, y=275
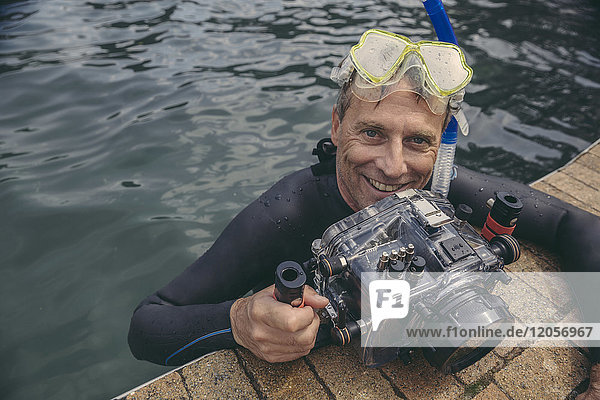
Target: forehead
x=400, y=109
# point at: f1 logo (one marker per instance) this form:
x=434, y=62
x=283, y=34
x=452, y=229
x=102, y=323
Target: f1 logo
x=389, y=300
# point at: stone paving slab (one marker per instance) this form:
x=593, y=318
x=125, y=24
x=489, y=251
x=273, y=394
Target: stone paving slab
x=168, y=387
x=219, y=376
x=566, y=183
x=566, y=197
x=419, y=380
x=289, y=380
x=481, y=371
x=506, y=373
x=591, y=161
x=583, y=174
x=346, y=376
x=492, y=392
x=525, y=303
x=543, y=373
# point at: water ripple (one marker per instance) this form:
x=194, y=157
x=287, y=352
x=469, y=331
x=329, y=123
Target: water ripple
x=132, y=131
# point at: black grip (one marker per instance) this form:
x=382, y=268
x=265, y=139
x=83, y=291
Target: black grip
x=506, y=209
x=289, y=283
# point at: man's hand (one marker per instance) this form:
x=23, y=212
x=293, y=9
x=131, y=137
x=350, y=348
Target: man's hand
x=275, y=331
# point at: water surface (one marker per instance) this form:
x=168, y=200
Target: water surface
x=132, y=131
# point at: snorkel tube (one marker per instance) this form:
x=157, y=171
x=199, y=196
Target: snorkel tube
x=444, y=164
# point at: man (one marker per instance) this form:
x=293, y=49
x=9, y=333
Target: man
x=384, y=146
x=395, y=102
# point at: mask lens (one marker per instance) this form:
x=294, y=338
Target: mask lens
x=445, y=66
x=376, y=55
x=385, y=63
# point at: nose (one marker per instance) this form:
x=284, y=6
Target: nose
x=393, y=162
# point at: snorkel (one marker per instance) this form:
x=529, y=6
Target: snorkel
x=444, y=164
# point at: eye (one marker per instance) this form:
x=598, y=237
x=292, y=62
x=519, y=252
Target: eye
x=420, y=140
x=371, y=133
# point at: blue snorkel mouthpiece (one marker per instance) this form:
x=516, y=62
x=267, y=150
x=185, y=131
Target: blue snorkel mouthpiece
x=444, y=164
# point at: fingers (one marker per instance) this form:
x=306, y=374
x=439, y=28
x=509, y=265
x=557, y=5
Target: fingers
x=275, y=346
x=275, y=331
x=311, y=298
x=279, y=315
x=281, y=357
x=302, y=339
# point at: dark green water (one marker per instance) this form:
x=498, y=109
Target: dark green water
x=131, y=132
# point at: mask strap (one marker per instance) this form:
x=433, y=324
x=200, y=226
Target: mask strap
x=463, y=124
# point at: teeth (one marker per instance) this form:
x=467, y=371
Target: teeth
x=383, y=187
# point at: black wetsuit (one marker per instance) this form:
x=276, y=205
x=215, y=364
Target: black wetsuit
x=190, y=316
x=278, y=226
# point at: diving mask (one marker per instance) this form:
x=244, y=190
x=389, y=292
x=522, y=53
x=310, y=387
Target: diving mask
x=386, y=62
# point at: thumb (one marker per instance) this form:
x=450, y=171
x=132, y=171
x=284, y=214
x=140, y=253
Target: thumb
x=311, y=298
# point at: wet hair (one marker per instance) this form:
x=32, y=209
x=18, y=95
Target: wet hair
x=344, y=99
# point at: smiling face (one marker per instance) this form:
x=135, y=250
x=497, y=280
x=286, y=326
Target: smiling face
x=384, y=147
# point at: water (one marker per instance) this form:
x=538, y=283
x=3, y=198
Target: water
x=131, y=132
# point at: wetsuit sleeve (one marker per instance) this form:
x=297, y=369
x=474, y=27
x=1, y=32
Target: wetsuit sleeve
x=167, y=334
x=190, y=316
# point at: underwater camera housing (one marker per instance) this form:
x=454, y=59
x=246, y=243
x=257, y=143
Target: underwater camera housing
x=416, y=236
